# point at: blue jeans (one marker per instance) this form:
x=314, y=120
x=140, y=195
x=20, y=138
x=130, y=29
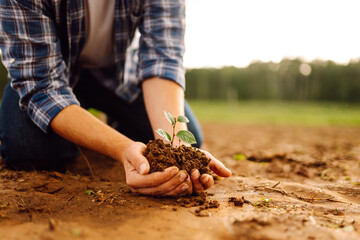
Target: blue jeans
x=24, y=146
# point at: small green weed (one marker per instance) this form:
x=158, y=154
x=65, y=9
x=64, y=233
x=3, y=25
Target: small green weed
x=89, y=192
x=265, y=202
x=239, y=156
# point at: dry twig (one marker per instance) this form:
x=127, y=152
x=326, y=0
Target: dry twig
x=87, y=162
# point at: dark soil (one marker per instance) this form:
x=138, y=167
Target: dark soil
x=162, y=156
x=201, y=201
x=239, y=202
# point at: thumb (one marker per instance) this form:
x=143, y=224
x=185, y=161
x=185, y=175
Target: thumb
x=217, y=167
x=136, y=158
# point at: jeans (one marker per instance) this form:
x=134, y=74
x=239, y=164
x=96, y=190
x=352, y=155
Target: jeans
x=24, y=146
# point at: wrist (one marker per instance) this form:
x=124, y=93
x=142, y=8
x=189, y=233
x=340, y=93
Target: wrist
x=118, y=151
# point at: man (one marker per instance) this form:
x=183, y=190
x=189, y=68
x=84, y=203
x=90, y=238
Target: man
x=66, y=56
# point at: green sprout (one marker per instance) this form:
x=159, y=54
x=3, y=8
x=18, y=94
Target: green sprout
x=265, y=202
x=183, y=135
x=239, y=157
x=89, y=192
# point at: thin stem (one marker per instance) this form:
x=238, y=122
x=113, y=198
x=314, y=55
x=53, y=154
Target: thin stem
x=87, y=161
x=172, y=139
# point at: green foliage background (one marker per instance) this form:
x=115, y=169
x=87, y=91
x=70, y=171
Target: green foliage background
x=327, y=82
x=275, y=93
x=282, y=81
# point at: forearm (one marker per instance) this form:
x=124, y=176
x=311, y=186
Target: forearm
x=80, y=127
x=159, y=95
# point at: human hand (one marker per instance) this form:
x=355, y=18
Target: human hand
x=170, y=183
x=205, y=181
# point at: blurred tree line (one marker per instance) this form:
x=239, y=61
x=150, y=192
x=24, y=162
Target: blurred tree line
x=288, y=80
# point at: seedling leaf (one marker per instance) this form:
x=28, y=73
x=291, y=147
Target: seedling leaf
x=89, y=192
x=182, y=119
x=186, y=136
x=164, y=134
x=170, y=118
x=239, y=157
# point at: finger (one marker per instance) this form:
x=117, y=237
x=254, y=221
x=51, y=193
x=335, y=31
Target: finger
x=197, y=185
x=207, y=181
x=167, y=187
x=217, y=167
x=135, y=157
x=135, y=180
x=190, y=189
x=181, y=190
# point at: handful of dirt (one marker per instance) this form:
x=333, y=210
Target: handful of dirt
x=162, y=156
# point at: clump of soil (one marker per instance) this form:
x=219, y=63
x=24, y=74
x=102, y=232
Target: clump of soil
x=202, y=200
x=239, y=202
x=162, y=156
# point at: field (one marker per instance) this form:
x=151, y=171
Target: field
x=292, y=179
x=288, y=113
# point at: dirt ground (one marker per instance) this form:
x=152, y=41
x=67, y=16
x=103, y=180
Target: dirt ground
x=289, y=183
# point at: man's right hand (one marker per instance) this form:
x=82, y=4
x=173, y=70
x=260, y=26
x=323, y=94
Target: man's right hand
x=80, y=127
x=170, y=183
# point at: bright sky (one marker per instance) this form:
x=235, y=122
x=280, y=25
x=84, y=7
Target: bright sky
x=236, y=32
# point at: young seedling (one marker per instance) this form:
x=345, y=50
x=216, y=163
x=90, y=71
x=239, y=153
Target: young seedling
x=265, y=202
x=183, y=135
x=89, y=192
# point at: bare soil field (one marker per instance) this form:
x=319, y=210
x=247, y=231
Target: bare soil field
x=289, y=182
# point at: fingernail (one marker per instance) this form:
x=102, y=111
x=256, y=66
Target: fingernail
x=174, y=170
x=142, y=168
x=195, y=174
x=204, y=179
x=185, y=187
x=182, y=176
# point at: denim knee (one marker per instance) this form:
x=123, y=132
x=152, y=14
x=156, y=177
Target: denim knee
x=24, y=145
x=194, y=126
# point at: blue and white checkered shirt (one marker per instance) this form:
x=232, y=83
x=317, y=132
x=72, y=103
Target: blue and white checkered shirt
x=43, y=75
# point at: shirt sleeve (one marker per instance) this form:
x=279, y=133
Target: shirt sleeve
x=162, y=40
x=32, y=55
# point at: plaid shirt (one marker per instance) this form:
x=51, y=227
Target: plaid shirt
x=43, y=75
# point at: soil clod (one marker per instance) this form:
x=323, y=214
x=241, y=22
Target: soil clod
x=201, y=201
x=162, y=156
x=238, y=202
